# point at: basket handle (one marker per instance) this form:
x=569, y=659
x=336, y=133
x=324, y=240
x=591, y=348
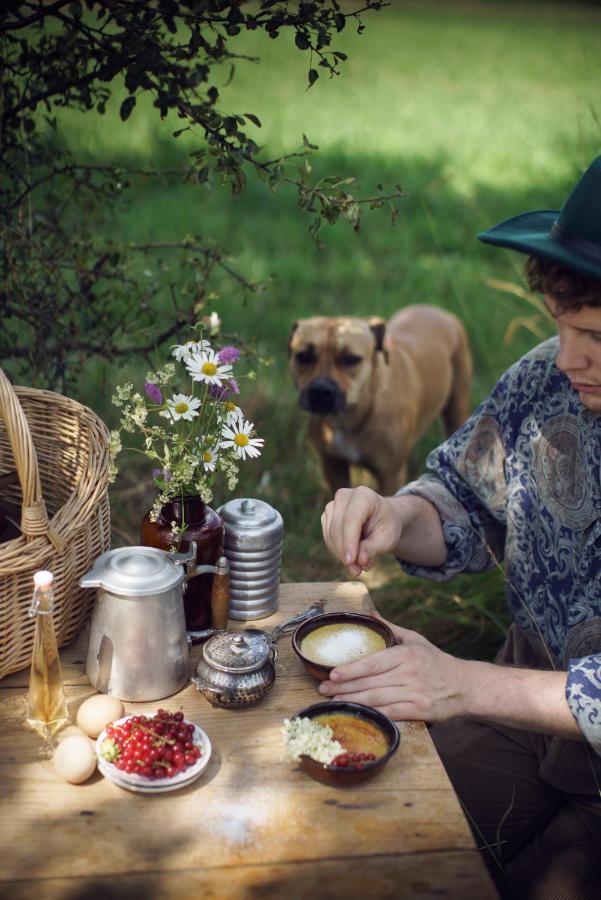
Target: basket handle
x=34, y=516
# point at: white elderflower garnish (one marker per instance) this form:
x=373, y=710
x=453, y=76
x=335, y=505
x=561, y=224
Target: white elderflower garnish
x=305, y=737
x=181, y=406
x=206, y=367
x=238, y=436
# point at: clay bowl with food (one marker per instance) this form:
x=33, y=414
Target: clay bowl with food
x=334, y=639
x=369, y=739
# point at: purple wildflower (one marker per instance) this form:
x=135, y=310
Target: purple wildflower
x=233, y=386
x=156, y=473
x=153, y=392
x=217, y=392
x=228, y=355
x=165, y=474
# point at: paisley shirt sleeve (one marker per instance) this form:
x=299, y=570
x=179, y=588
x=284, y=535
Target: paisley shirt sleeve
x=583, y=693
x=465, y=482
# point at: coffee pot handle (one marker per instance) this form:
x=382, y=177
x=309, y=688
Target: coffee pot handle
x=187, y=559
x=220, y=594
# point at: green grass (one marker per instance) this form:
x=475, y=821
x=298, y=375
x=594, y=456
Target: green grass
x=480, y=111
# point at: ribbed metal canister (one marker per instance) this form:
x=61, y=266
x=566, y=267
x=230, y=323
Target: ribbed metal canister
x=253, y=547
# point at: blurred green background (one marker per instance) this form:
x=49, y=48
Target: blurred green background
x=480, y=110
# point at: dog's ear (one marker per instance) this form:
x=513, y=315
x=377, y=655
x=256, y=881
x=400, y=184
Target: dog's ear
x=292, y=330
x=378, y=327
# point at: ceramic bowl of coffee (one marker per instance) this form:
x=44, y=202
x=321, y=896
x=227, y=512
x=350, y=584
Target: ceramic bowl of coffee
x=362, y=731
x=337, y=638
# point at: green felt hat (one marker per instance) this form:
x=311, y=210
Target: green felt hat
x=570, y=236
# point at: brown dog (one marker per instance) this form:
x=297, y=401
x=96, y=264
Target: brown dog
x=373, y=388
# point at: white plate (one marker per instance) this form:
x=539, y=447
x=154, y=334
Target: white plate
x=143, y=784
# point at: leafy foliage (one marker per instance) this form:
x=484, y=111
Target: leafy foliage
x=68, y=295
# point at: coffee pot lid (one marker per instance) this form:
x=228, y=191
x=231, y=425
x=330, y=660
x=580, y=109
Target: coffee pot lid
x=134, y=572
x=239, y=652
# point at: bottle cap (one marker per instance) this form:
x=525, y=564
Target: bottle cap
x=43, y=578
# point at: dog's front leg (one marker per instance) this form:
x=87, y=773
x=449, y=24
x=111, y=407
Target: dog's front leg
x=337, y=472
x=390, y=482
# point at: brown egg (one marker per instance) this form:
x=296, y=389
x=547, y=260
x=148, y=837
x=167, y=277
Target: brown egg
x=96, y=712
x=75, y=759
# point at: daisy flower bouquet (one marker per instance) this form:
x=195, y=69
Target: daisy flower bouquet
x=192, y=427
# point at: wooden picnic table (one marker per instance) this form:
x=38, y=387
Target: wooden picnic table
x=252, y=825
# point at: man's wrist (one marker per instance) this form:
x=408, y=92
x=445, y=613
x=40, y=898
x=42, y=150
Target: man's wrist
x=479, y=685
x=469, y=677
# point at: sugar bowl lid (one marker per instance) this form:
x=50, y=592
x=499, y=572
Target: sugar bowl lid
x=134, y=572
x=238, y=652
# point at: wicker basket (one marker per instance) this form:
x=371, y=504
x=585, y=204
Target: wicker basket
x=59, y=450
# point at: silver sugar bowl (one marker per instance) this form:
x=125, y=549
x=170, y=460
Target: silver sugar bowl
x=253, y=532
x=236, y=668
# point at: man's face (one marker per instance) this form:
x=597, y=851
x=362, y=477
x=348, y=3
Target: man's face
x=579, y=354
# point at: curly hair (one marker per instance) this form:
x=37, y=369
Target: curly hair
x=569, y=289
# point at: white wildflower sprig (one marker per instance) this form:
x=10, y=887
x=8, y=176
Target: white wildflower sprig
x=189, y=420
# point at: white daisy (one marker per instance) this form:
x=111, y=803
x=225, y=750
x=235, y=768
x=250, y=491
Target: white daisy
x=183, y=352
x=204, y=366
x=209, y=458
x=232, y=412
x=181, y=406
x=238, y=437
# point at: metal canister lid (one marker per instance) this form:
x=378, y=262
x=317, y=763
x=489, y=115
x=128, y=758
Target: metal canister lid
x=236, y=652
x=252, y=522
x=134, y=572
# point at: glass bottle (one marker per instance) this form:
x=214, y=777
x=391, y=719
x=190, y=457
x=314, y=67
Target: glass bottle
x=46, y=701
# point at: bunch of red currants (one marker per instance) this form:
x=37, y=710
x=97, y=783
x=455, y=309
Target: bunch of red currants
x=160, y=746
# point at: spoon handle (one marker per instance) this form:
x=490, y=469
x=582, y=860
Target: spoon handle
x=316, y=609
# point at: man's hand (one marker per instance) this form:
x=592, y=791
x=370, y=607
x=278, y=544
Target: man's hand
x=417, y=681
x=359, y=525
x=414, y=680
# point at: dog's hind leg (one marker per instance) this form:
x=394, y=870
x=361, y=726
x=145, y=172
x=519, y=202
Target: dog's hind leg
x=458, y=405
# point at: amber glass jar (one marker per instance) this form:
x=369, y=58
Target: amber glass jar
x=201, y=524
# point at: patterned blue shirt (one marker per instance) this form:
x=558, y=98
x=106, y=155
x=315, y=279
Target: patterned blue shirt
x=520, y=482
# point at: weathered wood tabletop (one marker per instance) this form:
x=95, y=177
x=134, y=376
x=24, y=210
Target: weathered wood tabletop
x=252, y=825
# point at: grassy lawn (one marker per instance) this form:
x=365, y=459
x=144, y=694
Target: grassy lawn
x=480, y=111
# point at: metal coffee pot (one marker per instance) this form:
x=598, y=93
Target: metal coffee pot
x=138, y=648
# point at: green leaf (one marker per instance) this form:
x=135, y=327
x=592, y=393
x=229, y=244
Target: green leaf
x=254, y=119
x=313, y=76
x=301, y=40
x=126, y=108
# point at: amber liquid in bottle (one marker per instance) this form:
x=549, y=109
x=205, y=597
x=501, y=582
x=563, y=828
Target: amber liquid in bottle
x=46, y=701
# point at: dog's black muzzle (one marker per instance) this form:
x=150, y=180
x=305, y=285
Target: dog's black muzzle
x=323, y=397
